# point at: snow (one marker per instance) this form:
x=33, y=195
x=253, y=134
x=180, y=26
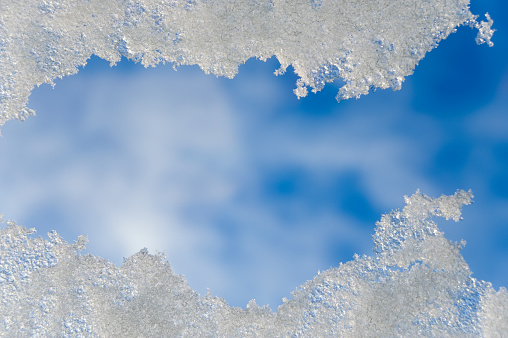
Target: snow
x=367, y=44
x=416, y=283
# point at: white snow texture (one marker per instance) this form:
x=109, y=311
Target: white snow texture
x=416, y=284
x=369, y=44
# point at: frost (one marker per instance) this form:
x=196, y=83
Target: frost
x=368, y=44
x=415, y=284
x=485, y=31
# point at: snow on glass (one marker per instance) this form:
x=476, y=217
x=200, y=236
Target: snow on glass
x=416, y=283
x=369, y=44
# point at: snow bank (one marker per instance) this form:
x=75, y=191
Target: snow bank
x=369, y=44
x=415, y=284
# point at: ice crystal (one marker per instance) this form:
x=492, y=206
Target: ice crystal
x=369, y=44
x=415, y=284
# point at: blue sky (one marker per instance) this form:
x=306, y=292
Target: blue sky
x=250, y=191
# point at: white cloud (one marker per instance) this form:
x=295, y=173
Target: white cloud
x=138, y=164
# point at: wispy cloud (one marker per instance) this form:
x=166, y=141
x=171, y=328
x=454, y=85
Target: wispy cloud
x=245, y=198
